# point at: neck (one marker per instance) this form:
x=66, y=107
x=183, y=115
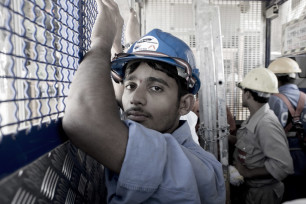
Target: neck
x=254, y=107
x=280, y=84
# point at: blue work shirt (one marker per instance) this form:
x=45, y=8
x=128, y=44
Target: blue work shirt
x=165, y=168
x=291, y=91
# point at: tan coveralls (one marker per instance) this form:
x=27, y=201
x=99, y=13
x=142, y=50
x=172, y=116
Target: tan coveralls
x=261, y=142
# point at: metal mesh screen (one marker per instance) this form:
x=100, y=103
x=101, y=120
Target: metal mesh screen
x=173, y=16
x=41, y=42
x=242, y=26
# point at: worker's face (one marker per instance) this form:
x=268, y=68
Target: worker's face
x=150, y=97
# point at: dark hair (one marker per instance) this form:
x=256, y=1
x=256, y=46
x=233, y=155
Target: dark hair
x=170, y=70
x=256, y=97
x=285, y=79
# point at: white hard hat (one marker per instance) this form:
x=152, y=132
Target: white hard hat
x=284, y=65
x=260, y=79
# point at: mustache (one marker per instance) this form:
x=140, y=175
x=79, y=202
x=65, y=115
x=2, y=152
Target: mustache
x=138, y=110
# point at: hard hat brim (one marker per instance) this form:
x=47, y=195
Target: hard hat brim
x=118, y=65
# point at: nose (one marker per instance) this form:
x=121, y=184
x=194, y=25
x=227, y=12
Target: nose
x=139, y=96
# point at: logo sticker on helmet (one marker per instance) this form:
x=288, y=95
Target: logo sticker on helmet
x=147, y=43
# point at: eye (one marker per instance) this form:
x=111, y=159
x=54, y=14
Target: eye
x=130, y=86
x=156, y=89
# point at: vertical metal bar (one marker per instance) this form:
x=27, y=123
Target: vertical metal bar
x=212, y=94
x=18, y=63
x=222, y=125
x=268, y=42
x=143, y=20
x=206, y=62
x=81, y=30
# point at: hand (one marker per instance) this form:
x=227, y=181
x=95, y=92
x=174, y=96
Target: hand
x=104, y=30
x=132, y=28
x=235, y=178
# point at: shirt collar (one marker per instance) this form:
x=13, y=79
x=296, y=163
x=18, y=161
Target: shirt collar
x=182, y=133
x=253, y=121
x=287, y=86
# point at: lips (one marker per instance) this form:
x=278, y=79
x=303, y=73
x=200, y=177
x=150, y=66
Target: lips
x=137, y=116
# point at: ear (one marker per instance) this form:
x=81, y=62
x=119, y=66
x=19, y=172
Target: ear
x=186, y=104
x=248, y=95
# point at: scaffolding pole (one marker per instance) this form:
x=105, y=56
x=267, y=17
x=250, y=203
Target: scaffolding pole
x=212, y=97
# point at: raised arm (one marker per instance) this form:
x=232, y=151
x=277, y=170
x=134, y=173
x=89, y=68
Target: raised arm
x=117, y=46
x=132, y=32
x=91, y=120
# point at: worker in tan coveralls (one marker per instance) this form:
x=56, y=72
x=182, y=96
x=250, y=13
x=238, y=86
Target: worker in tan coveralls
x=262, y=155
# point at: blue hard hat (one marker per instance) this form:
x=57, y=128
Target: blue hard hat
x=164, y=47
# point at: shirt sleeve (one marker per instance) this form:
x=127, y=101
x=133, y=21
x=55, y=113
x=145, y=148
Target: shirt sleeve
x=274, y=145
x=156, y=167
x=279, y=108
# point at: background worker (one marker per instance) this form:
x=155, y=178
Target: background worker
x=150, y=156
x=286, y=70
x=262, y=155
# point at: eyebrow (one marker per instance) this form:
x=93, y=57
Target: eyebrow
x=154, y=79
x=149, y=79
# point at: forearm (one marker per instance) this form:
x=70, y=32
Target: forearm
x=257, y=173
x=117, y=46
x=232, y=139
x=92, y=80
x=91, y=119
x=132, y=28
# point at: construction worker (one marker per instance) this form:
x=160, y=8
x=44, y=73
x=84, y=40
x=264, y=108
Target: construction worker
x=286, y=70
x=262, y=155
x=150, y=157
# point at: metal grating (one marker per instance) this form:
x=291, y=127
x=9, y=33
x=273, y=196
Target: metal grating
x=243, y=46
x=173, y=16
x=242, y=26
x=41, y=42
